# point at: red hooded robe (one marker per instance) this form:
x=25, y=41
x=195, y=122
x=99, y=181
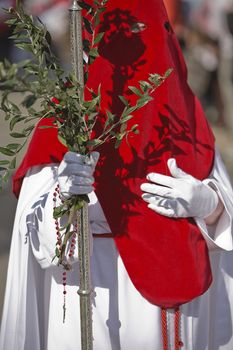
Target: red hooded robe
x=166, y=259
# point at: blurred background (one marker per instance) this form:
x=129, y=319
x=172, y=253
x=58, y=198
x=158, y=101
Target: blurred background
x=205, y=32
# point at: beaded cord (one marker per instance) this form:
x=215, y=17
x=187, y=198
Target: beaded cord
x=56, y=196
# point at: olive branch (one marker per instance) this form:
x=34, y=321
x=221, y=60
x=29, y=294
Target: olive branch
x=41, y=80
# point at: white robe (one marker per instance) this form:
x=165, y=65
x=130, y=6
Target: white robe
x=122, y=319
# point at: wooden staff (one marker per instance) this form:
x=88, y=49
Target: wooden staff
x=85, y=288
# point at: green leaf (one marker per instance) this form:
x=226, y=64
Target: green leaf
x=12, y=164
x=16, y=119
x=87, y=25
x=123, y=129
x=57, y=252
x=96, y=21
x=18, y=36
x=98, y=38
x=17, y=135
x=29, y=101
x=110, y=118
x=68, y=235
x=11, y=21
x=6, y=175
x=6, y=151
x=24, y=47
x=118, y=142
x=91, y=117
x=14, y=107
x=59, y=212
x=9, y=84
x=84, y=5
x=93, y=143
x=23, y=63
x=45, y=127
x=13, y=146
x=135, y=129
x=32, y=69
x=143, y=101
x=62, y=140
x=168, y=72
x=78, y=205
x=91, y=104
x=28, y=129
x=4, y=162
x=135, y=90
x=86, y=45
x=94, y=52
x=126, y=118
x=157, y=79
x=81, y=139
x=145, y=86
x=48, y=37
x=124, y=100
x=128, y=111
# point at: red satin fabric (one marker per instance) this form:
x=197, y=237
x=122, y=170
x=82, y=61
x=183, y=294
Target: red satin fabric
x=166, y=259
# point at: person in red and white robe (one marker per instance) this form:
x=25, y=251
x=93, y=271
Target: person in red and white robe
x=160, y=208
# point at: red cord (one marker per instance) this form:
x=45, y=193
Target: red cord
x=164, y=328
x=178, y=342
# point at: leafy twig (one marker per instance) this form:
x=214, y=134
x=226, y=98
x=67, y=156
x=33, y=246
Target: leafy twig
x=41, y=79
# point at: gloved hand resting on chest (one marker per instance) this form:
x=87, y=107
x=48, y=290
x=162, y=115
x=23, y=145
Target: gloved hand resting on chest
x=180, y=195
x=75, y=173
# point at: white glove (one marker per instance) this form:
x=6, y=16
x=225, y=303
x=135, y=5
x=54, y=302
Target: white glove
x=180, y=196
x=75, y=173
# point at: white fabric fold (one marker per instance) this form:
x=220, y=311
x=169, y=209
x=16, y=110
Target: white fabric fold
x=122, y=318
x=219, y=236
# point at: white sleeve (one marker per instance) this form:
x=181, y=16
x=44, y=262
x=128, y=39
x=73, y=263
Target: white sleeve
x=37, y=216
x=219, y=236
x=23, y=282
